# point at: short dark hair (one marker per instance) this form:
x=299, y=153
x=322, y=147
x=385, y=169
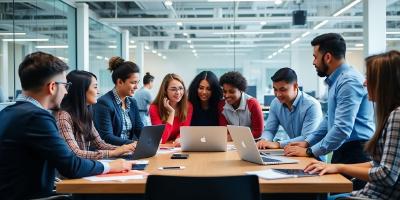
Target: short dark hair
x=37, y=68
x=148, y=78
x=121, y=69
x=216, y=91
x=285, y=74
x=331, y=43
x=234, y=78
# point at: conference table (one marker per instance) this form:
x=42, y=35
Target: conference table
x=215, y=164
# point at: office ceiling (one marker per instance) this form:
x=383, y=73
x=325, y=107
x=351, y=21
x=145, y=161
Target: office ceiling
x=215, y=26
x=210, y=26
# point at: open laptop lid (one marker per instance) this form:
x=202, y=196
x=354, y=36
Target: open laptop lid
x=248, y=151
x=149, y=142
x=203, y=138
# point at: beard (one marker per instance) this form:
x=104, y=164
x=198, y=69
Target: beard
x=322, y=72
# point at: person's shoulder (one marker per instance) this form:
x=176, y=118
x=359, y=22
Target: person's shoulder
x=252, y=101
x=395, y=115
x=106, y=99
x=309, y=100
x=63, y=115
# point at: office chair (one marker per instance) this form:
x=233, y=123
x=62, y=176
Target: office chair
x=196, y=188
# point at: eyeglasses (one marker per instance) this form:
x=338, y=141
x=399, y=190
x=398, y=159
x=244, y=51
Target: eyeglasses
x=66, y=85
x=174, y=89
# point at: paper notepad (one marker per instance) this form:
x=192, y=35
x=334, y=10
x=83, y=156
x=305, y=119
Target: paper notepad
x=122, y=176
x=270, y=174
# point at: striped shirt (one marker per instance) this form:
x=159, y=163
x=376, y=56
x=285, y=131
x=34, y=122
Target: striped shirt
x=126, y=120
x=385, y=172
x=77, y=142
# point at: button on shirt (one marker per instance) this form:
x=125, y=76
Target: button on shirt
x=126, y=121
x=350, y=113
x=303, y=119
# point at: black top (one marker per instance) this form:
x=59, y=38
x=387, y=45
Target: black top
x=203, y=117
x=31, y=149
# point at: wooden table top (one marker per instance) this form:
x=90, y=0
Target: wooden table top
x=214, y=164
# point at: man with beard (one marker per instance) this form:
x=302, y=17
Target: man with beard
x=30, y=144
x=348, y=124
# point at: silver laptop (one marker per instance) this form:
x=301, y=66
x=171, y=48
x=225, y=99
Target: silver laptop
x=203, y=138
x=247, y=149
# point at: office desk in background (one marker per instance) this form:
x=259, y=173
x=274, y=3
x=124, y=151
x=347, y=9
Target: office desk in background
x=215, y=164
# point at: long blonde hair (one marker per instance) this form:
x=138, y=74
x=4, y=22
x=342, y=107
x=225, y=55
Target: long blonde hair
x=383, y=83
x=162, y=93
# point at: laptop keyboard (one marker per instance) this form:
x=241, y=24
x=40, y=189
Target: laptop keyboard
x=265, y=159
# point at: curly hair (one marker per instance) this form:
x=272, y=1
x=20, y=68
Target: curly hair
x=235, y=79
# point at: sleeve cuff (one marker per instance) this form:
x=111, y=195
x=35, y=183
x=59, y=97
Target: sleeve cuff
x=106, y=166
x=283, y=143
x=317, y=151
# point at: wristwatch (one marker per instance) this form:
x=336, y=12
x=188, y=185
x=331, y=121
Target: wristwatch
x=309, y=152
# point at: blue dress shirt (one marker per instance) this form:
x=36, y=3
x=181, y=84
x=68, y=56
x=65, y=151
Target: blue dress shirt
x=303, y=119
x=350, y=113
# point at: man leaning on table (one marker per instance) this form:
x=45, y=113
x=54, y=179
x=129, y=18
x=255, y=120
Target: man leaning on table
x=348, y=124
x=297, y=112
x=30, y=145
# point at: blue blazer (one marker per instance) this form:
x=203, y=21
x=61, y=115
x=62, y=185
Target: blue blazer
x=107, y=119
x=31, y=149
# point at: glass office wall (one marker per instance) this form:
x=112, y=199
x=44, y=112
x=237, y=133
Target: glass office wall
x=29, y=26
x=104, y=43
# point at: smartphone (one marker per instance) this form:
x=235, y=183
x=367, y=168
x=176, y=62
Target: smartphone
x=139, y=166
x=179, y=156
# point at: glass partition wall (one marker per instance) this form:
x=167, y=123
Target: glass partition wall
x=29, y=26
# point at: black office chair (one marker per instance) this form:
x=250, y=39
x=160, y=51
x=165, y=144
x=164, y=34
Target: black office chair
x=196, y=188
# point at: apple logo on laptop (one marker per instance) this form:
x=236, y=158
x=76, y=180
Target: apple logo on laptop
x=243, y=144
x=203, y=139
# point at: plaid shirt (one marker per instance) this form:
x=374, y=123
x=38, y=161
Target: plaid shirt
x=385, y=172
x=77, y=142
x=126, y=120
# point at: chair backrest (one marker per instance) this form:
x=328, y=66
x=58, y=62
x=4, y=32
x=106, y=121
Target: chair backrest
x=193, y=188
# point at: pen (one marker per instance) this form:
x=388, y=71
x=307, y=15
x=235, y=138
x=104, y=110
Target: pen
x=173, y=167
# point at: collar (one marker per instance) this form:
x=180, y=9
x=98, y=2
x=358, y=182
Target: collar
x=242, y=105
x=29, y=99
x=332, y=78
x=119, y=100
x=296, y=100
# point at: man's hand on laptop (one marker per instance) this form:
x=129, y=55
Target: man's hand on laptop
x=264, y=144
x=120, y=165
x=299, y=144
x=177, y=142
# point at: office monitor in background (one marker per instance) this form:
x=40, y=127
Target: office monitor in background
x=252, y=90
x=268, y=99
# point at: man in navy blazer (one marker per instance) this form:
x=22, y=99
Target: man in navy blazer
x=108, y=121
x=30, y=145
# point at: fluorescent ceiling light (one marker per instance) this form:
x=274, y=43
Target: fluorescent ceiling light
x=168, y=3
x=12, y=33
x=236, y=0
x=274, y=54
x=320, y=24
x=185, y=34
x=243, y=33
x=154, y=51
x=132, y=46
x=112, y=46
x=191, y=46
x=27, y=40
x=179, y=23
x=99, y=57
x=232, y=45
x=278, y=2
x=392, y=33
x=52, y=47
x=344, y=9
x=194, y=50
x=164, y=57
x=295, y=41
x=132, y=41
x=286, y=46
x=269, y=57
x=146, y=47
x=189, y=41
x=280, y=50
x=305, y=34
x=359, y=45
x=262, y=23
x=355, y=49
x=159, y=54
x=393, y=39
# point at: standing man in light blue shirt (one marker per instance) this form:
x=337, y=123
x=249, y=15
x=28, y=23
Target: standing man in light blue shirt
x=349, y=120
x=298, y=113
